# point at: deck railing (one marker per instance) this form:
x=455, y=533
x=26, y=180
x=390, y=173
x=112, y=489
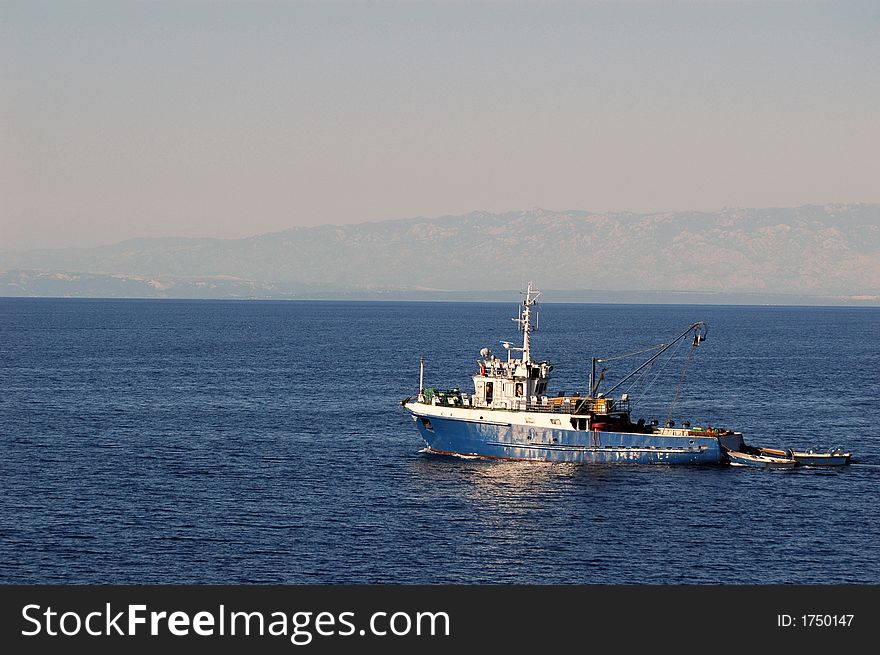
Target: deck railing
x=560, y=404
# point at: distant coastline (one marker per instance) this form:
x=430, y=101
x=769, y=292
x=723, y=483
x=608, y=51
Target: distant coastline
x=551, y=296
x=812, y=255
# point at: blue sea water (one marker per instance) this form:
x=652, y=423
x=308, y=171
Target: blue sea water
x=149, y=441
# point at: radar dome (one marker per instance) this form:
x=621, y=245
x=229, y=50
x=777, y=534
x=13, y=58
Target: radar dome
x=484, y=352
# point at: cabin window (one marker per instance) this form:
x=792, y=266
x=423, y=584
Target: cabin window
x=519, y=389
x=489, y=386
x=579, y=422
x=540, y=388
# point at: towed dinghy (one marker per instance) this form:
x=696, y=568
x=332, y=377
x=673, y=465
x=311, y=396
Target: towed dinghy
x=738, y=458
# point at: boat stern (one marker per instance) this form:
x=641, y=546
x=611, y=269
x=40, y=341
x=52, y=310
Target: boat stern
x=731, y=441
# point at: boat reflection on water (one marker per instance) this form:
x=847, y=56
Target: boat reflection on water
x=511, y=486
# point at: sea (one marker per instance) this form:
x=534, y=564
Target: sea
x=263, y=442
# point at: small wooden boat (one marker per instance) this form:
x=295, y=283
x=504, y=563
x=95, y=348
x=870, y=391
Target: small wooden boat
x=836, y=457
x=774, y=452
x=737, y=458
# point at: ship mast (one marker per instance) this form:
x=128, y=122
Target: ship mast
x=525, y=323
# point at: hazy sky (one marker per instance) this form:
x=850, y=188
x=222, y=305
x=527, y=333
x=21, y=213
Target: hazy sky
x=226, y=119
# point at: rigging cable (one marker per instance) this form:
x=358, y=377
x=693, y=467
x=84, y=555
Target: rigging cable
x=664, y=363
x=684, y=369
x=635, y=352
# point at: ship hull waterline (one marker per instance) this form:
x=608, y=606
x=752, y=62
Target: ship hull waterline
x=511, y=441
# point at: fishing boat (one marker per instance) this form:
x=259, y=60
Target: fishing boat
x=511, y=414
x=775, y=461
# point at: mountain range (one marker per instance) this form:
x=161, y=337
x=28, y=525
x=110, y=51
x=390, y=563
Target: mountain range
x=813, y=254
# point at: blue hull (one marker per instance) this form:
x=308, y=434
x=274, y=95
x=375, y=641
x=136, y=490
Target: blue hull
x=507, y=441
